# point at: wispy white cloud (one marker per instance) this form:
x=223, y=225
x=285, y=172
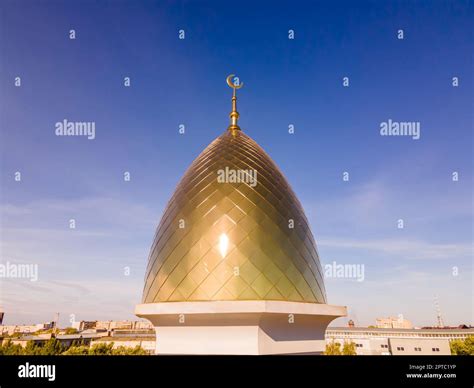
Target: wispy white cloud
x=408, y=249
x=85, y=298
x=376, y=206
x=80, y=271
x=87, y=211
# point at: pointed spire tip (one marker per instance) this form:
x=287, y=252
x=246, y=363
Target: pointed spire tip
x=234, y=115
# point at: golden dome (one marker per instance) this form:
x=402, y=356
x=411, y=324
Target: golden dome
x=226, y=236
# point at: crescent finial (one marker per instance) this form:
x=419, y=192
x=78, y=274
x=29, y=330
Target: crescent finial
x=231, y=83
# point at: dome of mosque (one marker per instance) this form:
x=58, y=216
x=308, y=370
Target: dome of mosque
x=233, y=230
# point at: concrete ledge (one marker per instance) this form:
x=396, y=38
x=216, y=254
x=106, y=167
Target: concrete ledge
x=231, y=307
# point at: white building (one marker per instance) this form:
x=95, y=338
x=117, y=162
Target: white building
x=24, y=329
x=111, y=325
x=379, y=341
x=393, y=323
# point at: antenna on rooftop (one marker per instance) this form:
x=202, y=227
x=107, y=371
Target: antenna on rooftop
x=438, y=313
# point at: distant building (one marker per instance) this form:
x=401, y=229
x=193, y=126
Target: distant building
x=111, y=325
x=384, y=341
x=80, y=326
x=125, y=338
x=64, y=339
x=144, y=333
x=123, y=325
x=393, y=323
x=83, y=325
x=143, y=325
x=145, y=341
x=23, y=329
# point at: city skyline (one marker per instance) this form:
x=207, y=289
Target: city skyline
x=96, y=270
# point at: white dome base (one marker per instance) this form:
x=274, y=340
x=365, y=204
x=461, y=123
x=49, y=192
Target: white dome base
x=240, y=327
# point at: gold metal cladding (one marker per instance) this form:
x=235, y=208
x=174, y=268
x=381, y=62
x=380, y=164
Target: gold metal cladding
x=232, y=241
x=234, y=115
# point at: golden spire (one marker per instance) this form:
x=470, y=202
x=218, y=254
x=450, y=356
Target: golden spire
x=234, y=115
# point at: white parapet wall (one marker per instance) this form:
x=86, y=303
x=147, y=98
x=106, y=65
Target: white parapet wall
x=240, y=327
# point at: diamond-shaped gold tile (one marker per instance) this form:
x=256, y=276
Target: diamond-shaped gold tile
x=212, y=259
x=222, y=294
x=248, y=272
x=236, y=214
x=176, y=296
x=187, y=286
x=235, y=285
x=285, y=287
x=261, y=285
x=199, y=295
x=210, y=285
x=223, y=272
x=199, y=272
x=272, y=272
x=235, y=258
x=273, y=294
x=249, y=294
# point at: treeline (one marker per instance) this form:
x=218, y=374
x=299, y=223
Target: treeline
x=464, y=347
x=53, y=347
x=334, y=349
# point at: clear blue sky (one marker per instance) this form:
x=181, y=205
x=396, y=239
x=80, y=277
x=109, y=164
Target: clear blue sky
x=297, y=82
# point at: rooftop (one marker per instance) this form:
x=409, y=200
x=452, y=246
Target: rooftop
x=389, y=330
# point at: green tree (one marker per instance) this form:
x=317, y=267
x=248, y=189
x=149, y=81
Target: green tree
x=82, y=350
x=15, y=335
x=349, y=349
x=101, y=349
x=333, y=349
x=52, y=347
x=9, y=349
x=124, y=351
x=79, y=342
x=70, y=330
x=30, y=348
x=464, y=347
x=45, y=331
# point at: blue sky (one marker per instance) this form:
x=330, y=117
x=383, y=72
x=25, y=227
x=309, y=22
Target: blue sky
x=297, y=82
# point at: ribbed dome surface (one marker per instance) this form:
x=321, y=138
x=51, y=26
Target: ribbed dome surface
x=263, y=259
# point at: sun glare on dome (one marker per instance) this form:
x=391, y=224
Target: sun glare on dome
x=223, y=244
